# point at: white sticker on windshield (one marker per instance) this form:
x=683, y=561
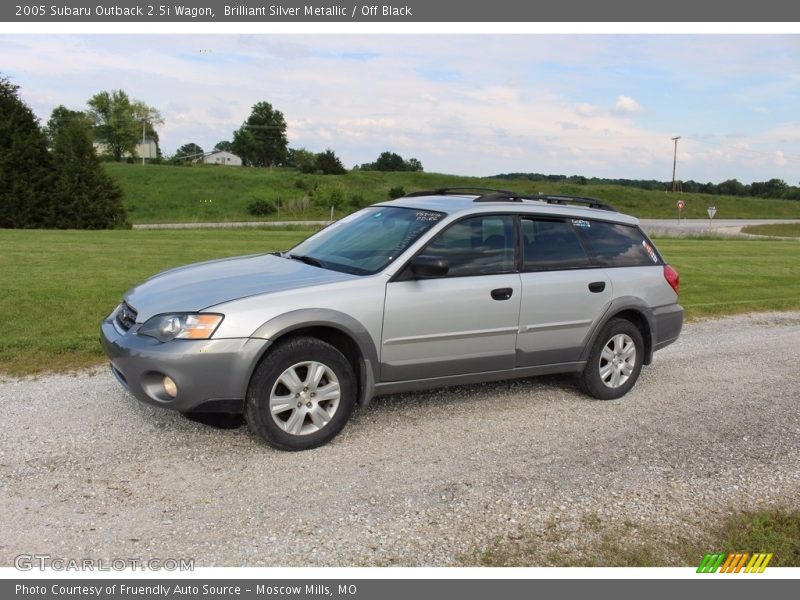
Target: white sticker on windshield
x=424, y=215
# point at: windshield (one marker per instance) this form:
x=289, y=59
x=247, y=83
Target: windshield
x=367, y=241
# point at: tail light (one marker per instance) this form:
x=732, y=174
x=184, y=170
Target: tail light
x=674, y=281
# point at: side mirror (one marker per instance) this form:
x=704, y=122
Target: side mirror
x=429, y=266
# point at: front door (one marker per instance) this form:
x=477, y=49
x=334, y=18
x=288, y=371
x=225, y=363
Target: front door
x=463, y=322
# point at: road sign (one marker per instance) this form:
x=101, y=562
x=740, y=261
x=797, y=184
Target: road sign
x=712, y=210
x=681, y=205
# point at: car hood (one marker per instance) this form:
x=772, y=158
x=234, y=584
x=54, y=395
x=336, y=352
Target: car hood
x=201, y=285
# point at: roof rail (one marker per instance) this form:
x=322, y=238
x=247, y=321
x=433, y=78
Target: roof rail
x=513, y=197
x=455, y=191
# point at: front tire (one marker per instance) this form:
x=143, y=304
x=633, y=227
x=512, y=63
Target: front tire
x=615, y=361
x=301, y=395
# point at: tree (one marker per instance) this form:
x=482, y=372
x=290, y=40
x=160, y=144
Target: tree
x=25, y=164
x=60, y=116
x=84, y=196
x=328, y=163
x=224, y=145
x=303, y=159
x=774, y=188
x=118, y=122
x=190, y=151
x=414, y=165
x=731, y=187
x=391, y=161
x=261, y=140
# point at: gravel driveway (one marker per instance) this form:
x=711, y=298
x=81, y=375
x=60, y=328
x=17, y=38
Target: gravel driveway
x=417, y=479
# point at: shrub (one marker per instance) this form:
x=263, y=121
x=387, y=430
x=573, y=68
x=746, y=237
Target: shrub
x=358, y=201
x=307, y=185
x=336, y=198
x=397, y=192
x=300, y=205
x=261, y=208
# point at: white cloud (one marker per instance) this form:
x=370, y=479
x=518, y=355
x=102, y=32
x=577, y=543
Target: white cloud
x=361, y=95
x=626, y=105
x=588, y=110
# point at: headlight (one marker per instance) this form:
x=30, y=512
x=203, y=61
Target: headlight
x=181, y=326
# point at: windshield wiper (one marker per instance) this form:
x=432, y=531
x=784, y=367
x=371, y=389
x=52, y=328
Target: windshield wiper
x=309, y=260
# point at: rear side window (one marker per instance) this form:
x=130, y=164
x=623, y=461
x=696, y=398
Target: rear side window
x=551, y=245
x=615, y=245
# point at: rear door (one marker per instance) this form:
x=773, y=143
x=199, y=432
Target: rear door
x=562, y=295
x=464, y=322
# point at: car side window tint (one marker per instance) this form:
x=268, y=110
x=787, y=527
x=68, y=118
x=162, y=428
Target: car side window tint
x=550, y=245
x=476, y=246
x=615, y=245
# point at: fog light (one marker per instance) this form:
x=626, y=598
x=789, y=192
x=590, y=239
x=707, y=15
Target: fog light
x=170, y=387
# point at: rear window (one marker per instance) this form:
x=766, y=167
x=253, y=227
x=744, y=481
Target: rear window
x=615, y=245
x=551, y=245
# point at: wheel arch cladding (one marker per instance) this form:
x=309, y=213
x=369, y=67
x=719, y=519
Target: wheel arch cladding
x=644, y=326
x=339, y=330
x=631, y=309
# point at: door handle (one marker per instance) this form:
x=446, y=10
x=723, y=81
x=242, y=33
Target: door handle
x=597, y=286
x=502, y=293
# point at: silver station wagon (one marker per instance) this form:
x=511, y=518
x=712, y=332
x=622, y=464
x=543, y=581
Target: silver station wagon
x=452, y=286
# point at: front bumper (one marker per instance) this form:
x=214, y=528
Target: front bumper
x=211, y=375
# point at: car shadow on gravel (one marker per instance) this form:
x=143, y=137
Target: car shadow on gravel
x=478, y=392
x=438, y=397
x=217, y=420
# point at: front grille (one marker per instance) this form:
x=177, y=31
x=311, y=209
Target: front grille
x=126, y=316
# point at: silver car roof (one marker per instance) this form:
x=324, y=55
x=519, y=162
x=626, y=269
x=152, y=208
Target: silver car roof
x=465, y=204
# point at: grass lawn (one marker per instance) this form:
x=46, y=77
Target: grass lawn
x=723, y=276
x=776, y=229
x=600, y=544
x=58, y=285
x=170, y=194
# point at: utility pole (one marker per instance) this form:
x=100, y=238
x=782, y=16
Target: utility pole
x=144, y=122
x=674, y=162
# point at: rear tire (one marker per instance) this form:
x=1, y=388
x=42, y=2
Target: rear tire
x=301, y=395
x=615, y=361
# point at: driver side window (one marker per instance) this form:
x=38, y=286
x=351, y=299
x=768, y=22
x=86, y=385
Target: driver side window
x=476, y=246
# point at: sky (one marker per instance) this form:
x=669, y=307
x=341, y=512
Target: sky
x=594, y=105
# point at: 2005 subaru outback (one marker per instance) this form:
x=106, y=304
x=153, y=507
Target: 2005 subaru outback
x=437, y=288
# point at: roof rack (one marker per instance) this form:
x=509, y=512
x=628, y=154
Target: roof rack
x=455, y=191
x=495, y=195
x=514, y=197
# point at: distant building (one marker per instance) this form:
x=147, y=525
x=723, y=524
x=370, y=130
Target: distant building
x=147, y=150
x=222, y=157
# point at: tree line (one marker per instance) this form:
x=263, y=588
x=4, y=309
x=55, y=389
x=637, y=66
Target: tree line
x=774, y=188
x=51, y=176
x=261, y=141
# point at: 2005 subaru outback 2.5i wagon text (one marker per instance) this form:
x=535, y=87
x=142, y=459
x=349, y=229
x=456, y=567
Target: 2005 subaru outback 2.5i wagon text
x=437, y=288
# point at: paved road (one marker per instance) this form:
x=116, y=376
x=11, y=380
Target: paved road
x=697, y=226
x=421, y=479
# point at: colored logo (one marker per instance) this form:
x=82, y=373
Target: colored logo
x=734, y=563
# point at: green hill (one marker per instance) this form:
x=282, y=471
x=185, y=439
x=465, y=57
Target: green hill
x=167, y=194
